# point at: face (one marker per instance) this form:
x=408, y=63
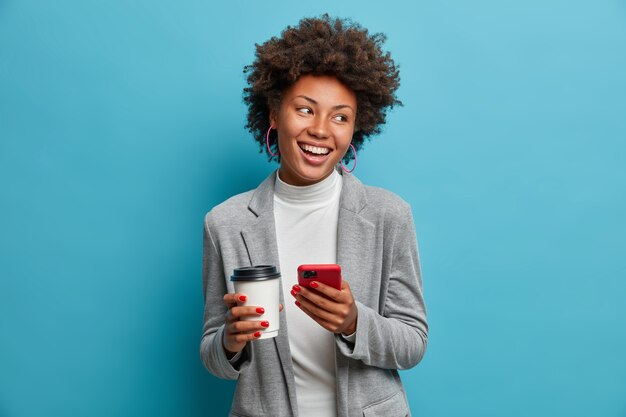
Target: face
x=315, y=124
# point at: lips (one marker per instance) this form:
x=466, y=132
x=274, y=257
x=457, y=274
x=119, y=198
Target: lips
x=314, y=155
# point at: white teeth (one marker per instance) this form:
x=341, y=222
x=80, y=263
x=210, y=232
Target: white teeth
x=315, y=149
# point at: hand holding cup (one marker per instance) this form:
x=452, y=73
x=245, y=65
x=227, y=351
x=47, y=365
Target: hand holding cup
x=253, y=308
x=238, y=332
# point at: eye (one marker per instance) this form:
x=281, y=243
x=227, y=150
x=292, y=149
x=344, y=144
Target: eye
x=304, y=110
x=341, y=118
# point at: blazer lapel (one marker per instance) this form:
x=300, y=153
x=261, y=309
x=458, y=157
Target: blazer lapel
x=356, y=236
x=259, y=237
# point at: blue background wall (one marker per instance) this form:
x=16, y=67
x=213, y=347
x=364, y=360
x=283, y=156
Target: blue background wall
x=121, y=124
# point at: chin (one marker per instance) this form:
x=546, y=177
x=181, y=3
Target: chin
x=316, y=172
x=311, y=175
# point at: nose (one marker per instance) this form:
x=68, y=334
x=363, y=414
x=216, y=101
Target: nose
x=319, y=128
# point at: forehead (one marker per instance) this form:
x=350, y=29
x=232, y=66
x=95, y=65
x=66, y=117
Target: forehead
x=324, y=89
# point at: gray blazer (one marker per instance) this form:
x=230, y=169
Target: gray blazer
x=377, y=251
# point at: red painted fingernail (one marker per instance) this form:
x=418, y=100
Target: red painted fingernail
x=296, y=288
x=293, y=293
x=298, y=303
x=242, y=298
x=314, y=284
x=265, y=323
x=257, y=334
x=260, y=310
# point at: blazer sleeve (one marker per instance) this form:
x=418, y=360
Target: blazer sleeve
x=397, y=338
x=214, y=287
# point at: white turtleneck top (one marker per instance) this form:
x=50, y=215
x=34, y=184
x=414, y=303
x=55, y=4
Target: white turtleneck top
x=306, y=233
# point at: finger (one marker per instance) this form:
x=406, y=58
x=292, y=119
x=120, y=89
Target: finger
x=233, y=299
x=280, y=307
x=248, y=326
x=245, y=337
x=239, y=312
x=345, y=295
x=327, y=290
x=320, y=300
x=315, y=311
x=331, y=327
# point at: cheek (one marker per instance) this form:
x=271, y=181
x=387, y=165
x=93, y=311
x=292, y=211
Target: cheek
x=286, y=139
x=292, y=126
x=345, y=139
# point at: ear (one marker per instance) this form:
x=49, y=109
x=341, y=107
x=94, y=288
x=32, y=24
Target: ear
x=273, y=120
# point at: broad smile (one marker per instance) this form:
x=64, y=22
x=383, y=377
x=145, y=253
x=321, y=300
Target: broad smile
x=314, y=155
x=317, y=150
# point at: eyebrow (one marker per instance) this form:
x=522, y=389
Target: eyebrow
x=337, y=107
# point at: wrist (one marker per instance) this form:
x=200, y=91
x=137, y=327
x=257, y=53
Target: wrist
x=229, y=354
x=350, y=329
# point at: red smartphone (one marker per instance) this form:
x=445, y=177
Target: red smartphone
x=329, y=274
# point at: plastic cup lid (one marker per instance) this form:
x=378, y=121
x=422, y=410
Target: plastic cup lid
x=255, y=273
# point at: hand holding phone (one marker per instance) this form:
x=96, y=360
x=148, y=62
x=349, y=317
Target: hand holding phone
x=329, y=274
x=323, y=301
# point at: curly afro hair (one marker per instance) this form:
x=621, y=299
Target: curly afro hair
x=323, y=46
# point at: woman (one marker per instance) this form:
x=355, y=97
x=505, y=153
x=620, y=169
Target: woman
x=314, y=95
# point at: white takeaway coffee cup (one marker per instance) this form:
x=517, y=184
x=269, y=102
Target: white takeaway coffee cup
x=260, y=284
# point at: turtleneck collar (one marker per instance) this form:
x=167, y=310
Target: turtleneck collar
x=316, y=193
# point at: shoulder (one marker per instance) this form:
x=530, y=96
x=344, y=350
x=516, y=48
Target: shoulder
x=381, y=199
x=392, y=216
x=231, y=206
x=359, y=197
x=240, y=208
x=387, y=209
x=377, y=205
x=230, y=212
